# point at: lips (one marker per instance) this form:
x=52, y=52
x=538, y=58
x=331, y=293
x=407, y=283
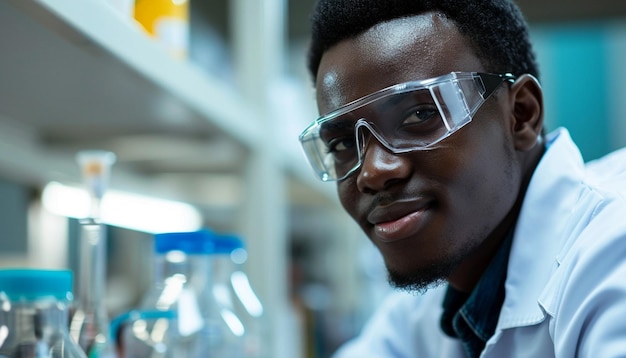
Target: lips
x=399, y=220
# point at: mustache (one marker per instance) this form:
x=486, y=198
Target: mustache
x=384, y=199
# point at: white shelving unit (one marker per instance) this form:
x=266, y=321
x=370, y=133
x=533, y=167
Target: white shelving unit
x=75, y=75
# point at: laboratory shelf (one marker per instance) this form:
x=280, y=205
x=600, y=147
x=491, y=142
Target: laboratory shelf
x=109, y=72
x=76, y=75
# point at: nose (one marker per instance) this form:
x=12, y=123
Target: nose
x=381, y=168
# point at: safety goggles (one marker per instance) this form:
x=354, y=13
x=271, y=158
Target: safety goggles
x=406, y=117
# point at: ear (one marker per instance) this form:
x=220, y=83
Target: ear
x=527, y=116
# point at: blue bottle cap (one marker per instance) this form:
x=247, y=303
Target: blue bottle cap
x=225, y=244
x=196, y=242
x=31, y=284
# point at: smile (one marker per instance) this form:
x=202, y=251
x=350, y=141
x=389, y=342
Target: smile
x=401, y=225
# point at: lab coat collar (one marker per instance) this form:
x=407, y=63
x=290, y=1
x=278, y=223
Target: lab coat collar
x=551, y=194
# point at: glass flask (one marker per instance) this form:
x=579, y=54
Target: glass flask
x=34, y=311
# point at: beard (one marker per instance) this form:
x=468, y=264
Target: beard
x=420, y=281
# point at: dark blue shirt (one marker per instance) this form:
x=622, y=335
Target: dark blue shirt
x=472, y=318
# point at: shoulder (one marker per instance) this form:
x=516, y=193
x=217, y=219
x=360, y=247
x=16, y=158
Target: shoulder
x=597, y=227
x=609, y=172
x=589, y=285
x=597, y=219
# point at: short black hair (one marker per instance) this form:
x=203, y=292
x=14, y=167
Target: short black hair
x=496, y=29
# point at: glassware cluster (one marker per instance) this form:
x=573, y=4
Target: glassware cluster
x=200, y=303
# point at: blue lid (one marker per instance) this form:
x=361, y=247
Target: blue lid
x=225, y=244
x=196, y=242
x=30, y=284
x=193, y=242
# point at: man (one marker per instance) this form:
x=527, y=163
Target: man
x=431, y=126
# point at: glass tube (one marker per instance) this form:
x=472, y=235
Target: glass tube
x=90, y=325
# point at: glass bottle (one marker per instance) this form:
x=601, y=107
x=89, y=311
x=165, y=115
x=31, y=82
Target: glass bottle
x=34, y=311
x=199, y=325
x=232, y=290
x=90, y=324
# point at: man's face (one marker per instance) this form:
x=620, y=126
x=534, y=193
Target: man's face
x=426, y=211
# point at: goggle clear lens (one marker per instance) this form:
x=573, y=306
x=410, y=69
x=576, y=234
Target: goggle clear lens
x=405, y=117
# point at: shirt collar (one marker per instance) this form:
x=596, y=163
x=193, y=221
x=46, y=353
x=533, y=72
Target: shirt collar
x=473, y=318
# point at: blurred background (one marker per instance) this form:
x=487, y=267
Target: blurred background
x=203, y=117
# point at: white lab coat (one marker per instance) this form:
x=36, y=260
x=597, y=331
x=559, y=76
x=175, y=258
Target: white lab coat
x=566, y=280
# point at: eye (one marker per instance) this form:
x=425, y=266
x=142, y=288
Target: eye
x=421, y=114
x=341, y=144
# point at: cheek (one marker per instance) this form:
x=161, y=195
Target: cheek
x=348, y=194
x=484, y=185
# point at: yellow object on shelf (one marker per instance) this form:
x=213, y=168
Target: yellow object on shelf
x=167, y=21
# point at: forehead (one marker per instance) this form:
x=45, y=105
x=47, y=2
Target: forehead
x=400, y=50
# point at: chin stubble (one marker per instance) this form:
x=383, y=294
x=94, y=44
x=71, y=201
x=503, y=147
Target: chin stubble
x=426, y=277
x=421, y=280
